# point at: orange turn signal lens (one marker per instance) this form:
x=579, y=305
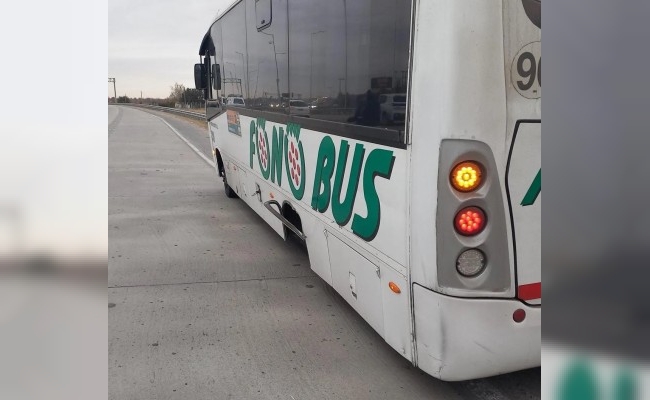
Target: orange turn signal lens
x=393, y=286
x=466, y=176
x=470, y=221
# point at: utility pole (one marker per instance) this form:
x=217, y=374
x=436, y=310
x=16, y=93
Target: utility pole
x=114, y=91
x=345, y=18
x=277, y=74
x=311, y=64
x=246, y=74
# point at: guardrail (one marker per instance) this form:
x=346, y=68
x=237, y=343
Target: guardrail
x=178, y=111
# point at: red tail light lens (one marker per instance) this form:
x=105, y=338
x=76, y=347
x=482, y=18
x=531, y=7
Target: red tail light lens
x=470, y=221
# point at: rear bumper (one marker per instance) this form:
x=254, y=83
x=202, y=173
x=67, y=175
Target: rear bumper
x=459, y=338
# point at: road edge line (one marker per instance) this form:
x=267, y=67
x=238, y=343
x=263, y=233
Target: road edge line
x=187, y=142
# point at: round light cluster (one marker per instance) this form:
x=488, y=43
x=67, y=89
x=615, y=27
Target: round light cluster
x=466, y=176
x=470, y=221
x=470, y=262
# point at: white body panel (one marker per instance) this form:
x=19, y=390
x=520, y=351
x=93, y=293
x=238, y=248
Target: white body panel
x=458, y=93
x=472, y=338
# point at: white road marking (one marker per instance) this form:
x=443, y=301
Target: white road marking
x=187, y=142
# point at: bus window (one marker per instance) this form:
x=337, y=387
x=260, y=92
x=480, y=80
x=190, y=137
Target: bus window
x=268, y=74
x=344, y=55
x=233, y=33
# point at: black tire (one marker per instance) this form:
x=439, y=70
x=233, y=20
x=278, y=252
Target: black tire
x=229, y=192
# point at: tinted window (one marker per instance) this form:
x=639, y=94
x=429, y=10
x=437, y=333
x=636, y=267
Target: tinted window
x=351, y=52
x=233, y=33
x=267, y=59
x=217, y=54
x=238, y=101
x=297, y=103
x=337, y=56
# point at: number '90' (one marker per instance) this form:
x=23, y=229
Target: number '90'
x=528, y=68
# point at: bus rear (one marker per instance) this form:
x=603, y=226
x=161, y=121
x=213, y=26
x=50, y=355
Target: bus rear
x=475, y=139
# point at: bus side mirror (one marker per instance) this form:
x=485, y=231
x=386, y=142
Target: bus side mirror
x=200, y=76
x=216, y=76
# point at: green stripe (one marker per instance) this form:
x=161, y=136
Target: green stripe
x=533, y=191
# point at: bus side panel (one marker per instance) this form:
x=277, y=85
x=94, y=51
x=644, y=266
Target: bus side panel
x=397, y=315
x=377, y=219
x=378, y=292
x=358, y=281
x=358, y=262
x=319, y=259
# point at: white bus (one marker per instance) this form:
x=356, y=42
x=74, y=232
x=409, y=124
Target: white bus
x=426, y=221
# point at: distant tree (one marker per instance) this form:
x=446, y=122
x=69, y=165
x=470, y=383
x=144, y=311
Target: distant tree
x=177, y=92
x=193, y=97
x=123, y=99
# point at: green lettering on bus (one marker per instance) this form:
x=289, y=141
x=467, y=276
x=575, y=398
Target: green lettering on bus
x=320, y=199
x=379, y=163
x=253, y=132
x=277, y=144
x=342, y=211
x=263, y=139
x=579, y=382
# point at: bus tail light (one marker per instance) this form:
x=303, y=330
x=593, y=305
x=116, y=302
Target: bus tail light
x=470, y=221
x=473, y=259
x=470, y=263
x=466, y=176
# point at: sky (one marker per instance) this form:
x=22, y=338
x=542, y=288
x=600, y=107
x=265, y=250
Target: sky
x=53, y=158
x=154, y=44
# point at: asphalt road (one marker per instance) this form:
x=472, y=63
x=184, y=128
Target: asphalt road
x=207, y=302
